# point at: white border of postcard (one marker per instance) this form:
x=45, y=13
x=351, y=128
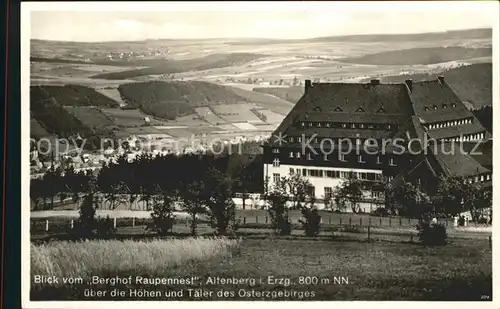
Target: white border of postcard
x=278, y=6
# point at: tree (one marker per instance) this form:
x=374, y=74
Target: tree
x=411, y=201
x=219, y=200
x=162, y=214
x=349, y=192
x=277, y=197
x=193, y=199
x=86, y=223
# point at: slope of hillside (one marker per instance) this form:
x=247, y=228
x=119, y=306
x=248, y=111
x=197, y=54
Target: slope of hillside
x=431, y=55
x=291, y=94
x=71, y=95
x=177, y=66
x=471, y=83
x=170, y=100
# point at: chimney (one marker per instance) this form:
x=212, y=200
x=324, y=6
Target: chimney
x=409, y=84
x=441, y=79
x=375, y=82
x=307, y=84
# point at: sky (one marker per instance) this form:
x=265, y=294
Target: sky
x=84, y=22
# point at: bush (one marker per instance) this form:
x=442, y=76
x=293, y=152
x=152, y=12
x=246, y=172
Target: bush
x=105, y=227
x=311, y=222
x=284, y=228
x=162, y=216
x=432, y=234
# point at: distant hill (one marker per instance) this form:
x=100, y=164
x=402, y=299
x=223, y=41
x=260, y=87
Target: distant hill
x=472, y=83
x=291, y=94
x=169, y=100
x=483, y=33
x=178, y=66
x=71, y=95
x=431, y=55
x=50, y=115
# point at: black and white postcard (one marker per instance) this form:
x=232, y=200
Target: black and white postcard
x=258, y=151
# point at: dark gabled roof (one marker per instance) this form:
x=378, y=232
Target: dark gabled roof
x=453, y=131
x=457, y=163
x=354, y=117
x=338, y=133
x=429, y=99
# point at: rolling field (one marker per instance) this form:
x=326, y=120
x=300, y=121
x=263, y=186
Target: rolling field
x=313, y=270
x=90, y=116
x=128, y=117
x=236, y=113
x=209, y=116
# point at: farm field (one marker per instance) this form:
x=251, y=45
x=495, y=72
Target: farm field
x=236, y=113
x=90, y=116
x=129, y=117
x=353, y=272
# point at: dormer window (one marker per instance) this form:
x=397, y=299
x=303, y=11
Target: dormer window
x=388, y=126
x=276, y=150
x=297, y=155
x=317, y=109
x=360, y=110
x=344, y=125
x=378, y=160
x=453, y=105
x=303, y=124
x=291, y=139
x=318, y=124
x=327, y=124
x=360, y=159
x=426, y=108
x=291, y=154
x=353, y=126
x=381, y=110
x=310, y=124
x=445, y=106
x=434, y=107
x=338, y=109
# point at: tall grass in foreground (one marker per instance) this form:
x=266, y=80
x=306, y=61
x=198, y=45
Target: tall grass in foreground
x=112, y=257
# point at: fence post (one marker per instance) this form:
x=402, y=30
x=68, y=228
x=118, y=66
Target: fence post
x=400, y=222
x=340, y=221
x=368, y=232
x=380, y=222
x=46, y=225
x=409, y=221
x=267, y=220
x=133, y=221
x=114, y=222
x=369, y=223
x=244, y=220
x=390, y=222
x=71, y=225
x=330, y=220
x=256, y=219
x=350, y=221
x=361, y=221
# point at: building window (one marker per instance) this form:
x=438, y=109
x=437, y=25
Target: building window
x=388, y=126
x=482, y=178
x=391, y=162
x=291, y=138
x=445, y=106
x=328, y=192
x=297, y=155
x=312, y=190
x=310, y=124
x=426, y=108
x=453, y=105
x=342, y=157
x=291, y=154
x=276, y=150
x=363, y=176
x=276, y=177
x=360, y=159
x=378, y=160
x=361, y=126
x=344, y=175
x=298, y=171
x=276, y=162
x=488, y=177
x=353, y=126
x=299, y=139
x=344, y=125
x=303, y=124
x=390, y=178
x=434, y=107
x=304, y=172
x=309, y=156
x=318, y=124
x=327, y=124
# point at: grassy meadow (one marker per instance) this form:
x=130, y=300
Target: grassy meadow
x=344, y=269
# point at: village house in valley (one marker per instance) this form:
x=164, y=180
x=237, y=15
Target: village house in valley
x=414, y=124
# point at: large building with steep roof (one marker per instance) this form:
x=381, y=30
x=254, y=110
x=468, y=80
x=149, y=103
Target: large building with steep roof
x=403, y=132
